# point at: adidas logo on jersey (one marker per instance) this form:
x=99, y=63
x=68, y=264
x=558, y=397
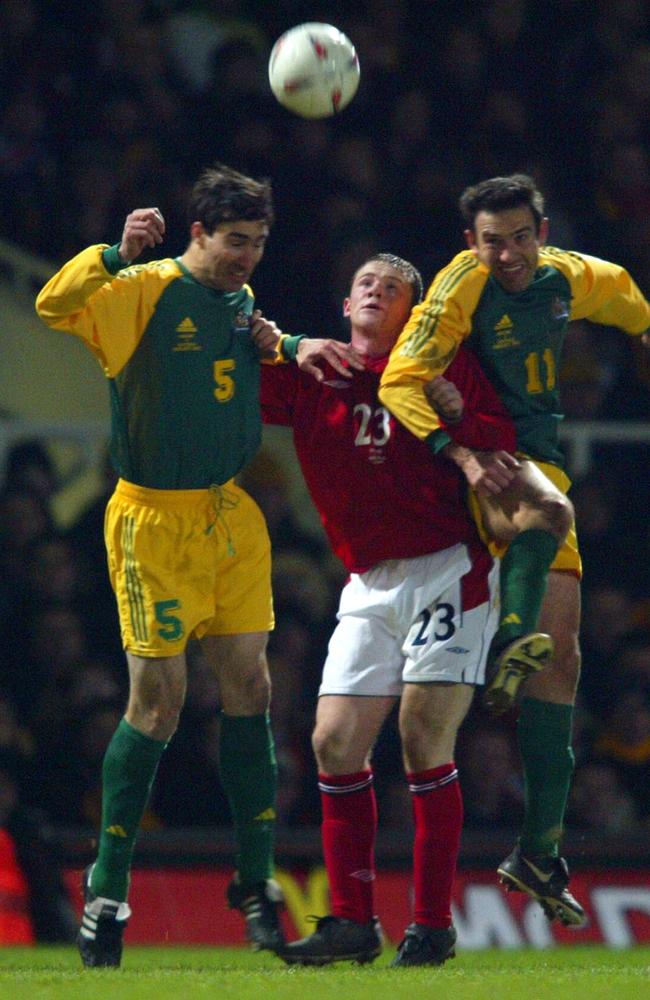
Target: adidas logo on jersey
x=186, y=339
x=503, y=330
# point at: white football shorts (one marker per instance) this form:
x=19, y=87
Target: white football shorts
x=418, y=620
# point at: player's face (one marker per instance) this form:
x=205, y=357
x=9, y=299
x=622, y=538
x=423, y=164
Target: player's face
x=227, y=257
x=508, y=243
x=380, y=300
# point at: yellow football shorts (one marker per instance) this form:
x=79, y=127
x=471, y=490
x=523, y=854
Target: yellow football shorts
x=568, y=555
x=187, y=563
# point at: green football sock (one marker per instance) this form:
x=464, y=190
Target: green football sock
x=248, y=772
x=130, y=766
x=544, y=733
x=522, y=582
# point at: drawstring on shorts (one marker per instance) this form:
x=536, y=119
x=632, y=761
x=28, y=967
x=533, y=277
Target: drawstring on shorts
x=223, y=499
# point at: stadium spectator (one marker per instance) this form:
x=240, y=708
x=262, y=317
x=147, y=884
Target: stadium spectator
x=29, y=466
x=607, y=617
x=600, y=802
x=624, y=741
x=34, y=903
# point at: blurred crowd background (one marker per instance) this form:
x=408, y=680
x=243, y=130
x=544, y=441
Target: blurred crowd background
x=119, y=104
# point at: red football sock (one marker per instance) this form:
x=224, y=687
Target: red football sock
x=348, y=832
x=438, y=816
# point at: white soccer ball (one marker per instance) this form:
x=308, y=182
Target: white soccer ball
x=314, y=70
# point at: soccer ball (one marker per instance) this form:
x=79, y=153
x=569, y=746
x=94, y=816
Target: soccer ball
x=314, y=70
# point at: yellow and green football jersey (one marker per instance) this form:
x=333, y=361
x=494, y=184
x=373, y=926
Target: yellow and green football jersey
x=517, y=337
x=182, y=368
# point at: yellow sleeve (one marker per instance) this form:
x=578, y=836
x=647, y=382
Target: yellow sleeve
x=430, y=340
x=602, y=292
x=108, y=312
x=285, y=350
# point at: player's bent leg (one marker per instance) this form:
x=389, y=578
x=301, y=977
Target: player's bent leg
x=544, y=732
x=534, y=517
x=157, y=691
x=248, y=773
x=346, y=728
x=531, y=502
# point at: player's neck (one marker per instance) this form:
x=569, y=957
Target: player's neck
x=371, y=344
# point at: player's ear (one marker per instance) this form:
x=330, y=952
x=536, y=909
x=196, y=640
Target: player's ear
x=197, y=230
x=346, y=307
x=543, y=230
x=470, y=239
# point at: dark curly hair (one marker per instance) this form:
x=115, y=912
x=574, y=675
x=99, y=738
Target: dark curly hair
x=222, y=194
x=498, y=194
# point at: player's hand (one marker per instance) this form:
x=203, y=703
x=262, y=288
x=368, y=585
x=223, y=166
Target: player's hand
x=342, y=357
x=144, y=227
x=445, y=399
x=489, y=472
x=265, y=334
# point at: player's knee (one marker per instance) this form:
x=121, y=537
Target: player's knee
x=249, y=694
x=560, y=515
x=553, y=513
x=423, y=735
x=158, y=721
x=331, y=749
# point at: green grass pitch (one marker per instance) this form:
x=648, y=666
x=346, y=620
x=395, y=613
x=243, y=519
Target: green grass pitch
x=583, y=973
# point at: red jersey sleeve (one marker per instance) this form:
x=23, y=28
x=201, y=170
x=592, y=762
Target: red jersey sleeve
x=486, y=425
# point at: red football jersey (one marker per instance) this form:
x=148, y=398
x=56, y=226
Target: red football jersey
x=379, y=490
